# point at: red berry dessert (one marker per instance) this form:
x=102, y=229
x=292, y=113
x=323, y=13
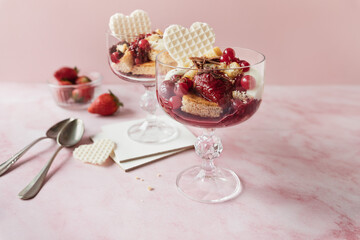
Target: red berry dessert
x=137, y=57
x=219, y=90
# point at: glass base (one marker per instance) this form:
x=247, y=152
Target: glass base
x=152, y=132
x=216, y=186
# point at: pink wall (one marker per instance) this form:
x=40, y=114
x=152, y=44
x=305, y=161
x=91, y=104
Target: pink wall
x=305, y=42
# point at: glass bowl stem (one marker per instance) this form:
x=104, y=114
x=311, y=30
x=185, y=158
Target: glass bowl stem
x=207, y=183
x=151, y=130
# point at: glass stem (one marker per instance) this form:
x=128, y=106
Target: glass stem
x=148, y=103
x=208, y=147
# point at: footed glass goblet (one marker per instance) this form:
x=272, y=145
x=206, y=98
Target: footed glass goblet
x=150, y=130
x=215, y=92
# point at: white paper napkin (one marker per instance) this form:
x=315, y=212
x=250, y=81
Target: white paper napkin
x=130, y=154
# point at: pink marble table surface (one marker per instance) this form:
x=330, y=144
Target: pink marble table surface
x=298, y=158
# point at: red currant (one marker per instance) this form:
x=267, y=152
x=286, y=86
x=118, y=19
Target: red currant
x=175, y=102
x=144, y=44
x=238, y=82
x=230, y=52
x=166, y=89
x=181, y=88
x=115, y=57
x=245, y=64
x=225, y=58
x=248, y=82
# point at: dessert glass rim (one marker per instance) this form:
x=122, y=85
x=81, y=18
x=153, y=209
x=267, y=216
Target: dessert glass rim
x=97, y=78
x=218, y=69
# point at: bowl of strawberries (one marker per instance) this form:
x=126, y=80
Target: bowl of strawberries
x=73, y=90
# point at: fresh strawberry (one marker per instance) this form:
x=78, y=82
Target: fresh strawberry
x=82, y=80
x=67, y=74
x=65, y=82
x=106, y=104
x=83, y=94
x=213, y=89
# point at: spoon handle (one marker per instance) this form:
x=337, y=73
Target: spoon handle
x=35, y=185
x=7, y=164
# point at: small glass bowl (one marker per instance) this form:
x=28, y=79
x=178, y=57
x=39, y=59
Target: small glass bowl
x=77, y=96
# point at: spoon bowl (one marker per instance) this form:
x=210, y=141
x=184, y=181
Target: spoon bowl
x=69, y=136
x=53, y=131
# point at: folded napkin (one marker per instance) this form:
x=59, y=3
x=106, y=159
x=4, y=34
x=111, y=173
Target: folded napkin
x=130, y=154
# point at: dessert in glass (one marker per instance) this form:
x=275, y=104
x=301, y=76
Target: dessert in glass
x=132, y=58
x=219, y=89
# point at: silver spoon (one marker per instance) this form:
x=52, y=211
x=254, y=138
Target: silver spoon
x=52, y=132
x=69, y=136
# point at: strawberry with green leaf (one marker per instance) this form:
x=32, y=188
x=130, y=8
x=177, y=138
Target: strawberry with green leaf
x=67, y=74
x=106, y=104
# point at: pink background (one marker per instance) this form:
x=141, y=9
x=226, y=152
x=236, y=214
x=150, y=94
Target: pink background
x=305, y=42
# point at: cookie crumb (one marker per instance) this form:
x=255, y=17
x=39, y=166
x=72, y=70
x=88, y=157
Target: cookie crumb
x=150, y=188
x=142, y=179
x=158, y=175
x=137, y=178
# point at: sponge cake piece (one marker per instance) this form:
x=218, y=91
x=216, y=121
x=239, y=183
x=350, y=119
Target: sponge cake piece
x=199, y=106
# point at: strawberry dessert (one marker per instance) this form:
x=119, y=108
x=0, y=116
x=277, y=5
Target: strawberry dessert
x=133, y=45
x=137, y=57
x=218, y=90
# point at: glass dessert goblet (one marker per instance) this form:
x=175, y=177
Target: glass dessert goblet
x=136, y=67
x=215, y=92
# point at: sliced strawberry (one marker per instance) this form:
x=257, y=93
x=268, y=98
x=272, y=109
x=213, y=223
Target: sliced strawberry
x=181, y=88
x=213, y=89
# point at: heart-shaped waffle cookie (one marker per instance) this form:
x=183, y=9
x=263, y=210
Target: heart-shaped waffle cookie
x=182, y=43
x=95, y=153
x=126, y=27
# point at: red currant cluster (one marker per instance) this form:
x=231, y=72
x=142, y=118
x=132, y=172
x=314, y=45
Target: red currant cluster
x=172, y=90
x=242, y=82
x=228, y=56
x=139, y=49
